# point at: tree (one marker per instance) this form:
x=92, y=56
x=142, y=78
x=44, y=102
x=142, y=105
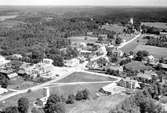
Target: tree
x=118, y=40
x=54, y=105
x=141, y=55
x=70, y=99
x=4, y=80
x=11, y=109
x=23, y=105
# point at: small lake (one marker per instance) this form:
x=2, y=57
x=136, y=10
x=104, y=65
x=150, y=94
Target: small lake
x=2, y=18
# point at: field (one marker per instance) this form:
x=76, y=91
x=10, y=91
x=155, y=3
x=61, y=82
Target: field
x=79, y=39
x=73, y=89
x=160, y=25
x=131, y=46
x=100, y=105
x=155, y=51
x=84, y=77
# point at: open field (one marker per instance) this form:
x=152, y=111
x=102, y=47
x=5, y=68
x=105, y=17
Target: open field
x=73, y=89
x=79, y=39
x=132, y=45
x=113, y=27
x=160, y=25
x=155, y=51
x=84, y=77
x=100, y=105
x=32, y=96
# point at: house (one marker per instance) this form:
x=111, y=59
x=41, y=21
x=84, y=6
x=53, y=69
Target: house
x=3, y=60
x=98, y=64
x=114, y=68
x=102, y=50
x=17, y=56
x=117, y=52
x=164, y=66
x=112, y=89
x=128, y=83
x=3, y=90
x=47, y=61
x=72, y=62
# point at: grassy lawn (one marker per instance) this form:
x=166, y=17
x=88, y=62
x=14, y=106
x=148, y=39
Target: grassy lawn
x=73, y=89
x=19, y=83
x=155, y=51
x=100, y=105
x=32, y=96
x=84, y=77
x=131, y=46
x=79, y=39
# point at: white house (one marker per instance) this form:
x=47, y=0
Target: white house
x=72, y=62
x=3, y=90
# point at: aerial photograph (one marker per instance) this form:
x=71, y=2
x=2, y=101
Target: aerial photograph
x=83, y=56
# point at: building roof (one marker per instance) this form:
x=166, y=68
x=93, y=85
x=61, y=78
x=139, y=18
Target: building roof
x=164, y=65
x=113, y=88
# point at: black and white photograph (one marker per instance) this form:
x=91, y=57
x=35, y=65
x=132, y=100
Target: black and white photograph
x=83, y=56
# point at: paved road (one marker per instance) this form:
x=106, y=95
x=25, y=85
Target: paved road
x=36, y=87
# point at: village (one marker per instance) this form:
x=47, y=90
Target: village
x=125, y=71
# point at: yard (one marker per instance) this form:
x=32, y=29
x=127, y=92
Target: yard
x=155, y=51
x=84, y=77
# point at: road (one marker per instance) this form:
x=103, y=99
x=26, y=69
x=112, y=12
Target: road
x=123, y=44
x=36, y=87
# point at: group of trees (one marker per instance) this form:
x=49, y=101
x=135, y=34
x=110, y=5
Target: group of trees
x=140, y=55
x=23, y=106
x=159, y=41
x=55, y=103
x=138, y=103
